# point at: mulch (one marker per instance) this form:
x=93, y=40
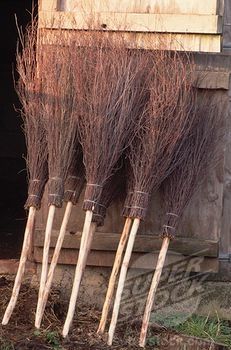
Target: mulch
x=20, y=333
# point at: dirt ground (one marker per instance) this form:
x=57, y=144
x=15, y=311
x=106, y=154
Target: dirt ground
x=20, y=333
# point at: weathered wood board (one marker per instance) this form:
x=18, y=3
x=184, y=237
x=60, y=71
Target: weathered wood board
x=138, y=260
x=151, y=41
x=49, y=5
x=135, y=22
x=191, y=25
x=143, y=243
x=10, y=267
x=207, y=7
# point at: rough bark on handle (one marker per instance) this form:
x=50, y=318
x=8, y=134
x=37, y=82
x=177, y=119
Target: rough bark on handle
x=83, y=251
x=90, y=239
x=53, y=264
x=114, y=273
x=152, y=291
x=52, y=268
x=122, y=278
x=43, y=278
x=22, y=264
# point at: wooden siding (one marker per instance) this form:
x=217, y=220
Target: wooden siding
x=132, y=22
x=190, y=25
x=151, y=41
x=138, y=260
x=143, y=244
x=10, y=267
x=145, y=252
x=202, y=7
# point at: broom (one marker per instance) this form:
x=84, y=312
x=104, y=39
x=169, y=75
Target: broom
x=29, y=92
x=164, y=122
x=73, y=188
x=60, y=123
x=198, y=153
x=112, y=190
x=74, y=184
x=107, y=120
x=116, y=265
x=72, y=193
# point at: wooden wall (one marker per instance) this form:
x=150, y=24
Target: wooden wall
x=191, y=25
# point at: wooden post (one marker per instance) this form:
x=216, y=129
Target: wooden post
x=123, y=273
x=22, y=263
x=114, y=273
x=152, y=291
x=86, y=239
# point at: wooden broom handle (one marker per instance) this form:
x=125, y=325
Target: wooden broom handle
x=54, y=261
x=152, y=291
x=122, y=278
x=114, y=273
x=45, y=259
x=83, y=252
x=22, y=263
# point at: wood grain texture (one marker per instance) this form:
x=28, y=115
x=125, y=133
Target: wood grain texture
x=143, y=244
x=135, y=22
x=210, y=7
x=151, y=41
x=212, y=80
x=152, y=291
x=10, y=267
x=48, y=5
x=138, y=260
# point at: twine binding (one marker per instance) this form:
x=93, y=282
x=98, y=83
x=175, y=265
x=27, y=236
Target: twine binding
x=73, y=188
x=137, y=205
x=35, y=193
x=92, y=196
x=168, y=231
x=55, y=191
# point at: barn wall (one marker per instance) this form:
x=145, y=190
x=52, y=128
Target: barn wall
x=191, y=25
x=227, y=26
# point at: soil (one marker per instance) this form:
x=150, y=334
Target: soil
x=20, y=333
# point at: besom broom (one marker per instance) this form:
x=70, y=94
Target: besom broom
x=75, y=173
x=106, y=85
x=73, y=188
x=29, y=91
x=60, y=122
x=74, y=185
x=116, y=264
x=165, y=121
x=198, y=154
x=111, y=191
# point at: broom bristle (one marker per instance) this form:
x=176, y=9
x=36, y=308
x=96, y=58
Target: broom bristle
x=59, y=110
x=199, y=153
x=114, y=189
x=165, y=122
x=29, y=91
x=76, y=177
x=106, y=85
